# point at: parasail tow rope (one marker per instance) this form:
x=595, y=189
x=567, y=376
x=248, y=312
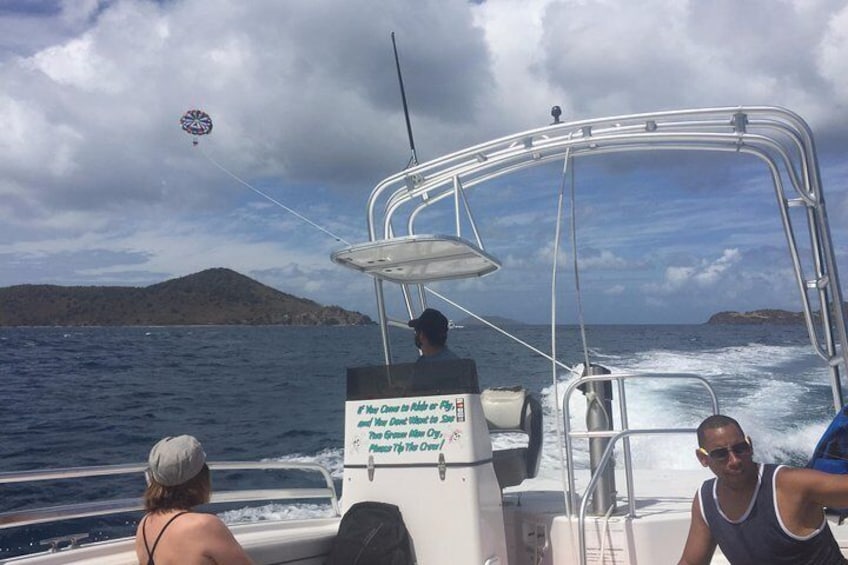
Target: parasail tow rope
x=271, y=199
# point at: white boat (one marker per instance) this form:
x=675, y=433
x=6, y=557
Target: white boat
x=425, y=445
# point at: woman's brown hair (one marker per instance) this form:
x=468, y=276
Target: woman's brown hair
x=196, y=491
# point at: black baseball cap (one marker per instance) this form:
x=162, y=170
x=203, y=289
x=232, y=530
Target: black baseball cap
x=431, y=322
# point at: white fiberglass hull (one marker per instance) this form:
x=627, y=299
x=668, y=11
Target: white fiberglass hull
x=537, y=530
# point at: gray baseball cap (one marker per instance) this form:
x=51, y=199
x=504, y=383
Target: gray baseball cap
x=176, y=460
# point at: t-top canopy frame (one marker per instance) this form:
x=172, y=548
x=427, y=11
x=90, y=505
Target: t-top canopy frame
x=778, y=137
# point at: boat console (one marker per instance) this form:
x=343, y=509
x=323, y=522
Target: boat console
x=417, y=436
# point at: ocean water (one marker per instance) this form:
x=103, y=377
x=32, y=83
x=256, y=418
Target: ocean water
x=96, y=396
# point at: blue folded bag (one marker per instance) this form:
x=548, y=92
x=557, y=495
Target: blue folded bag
x=831, y=453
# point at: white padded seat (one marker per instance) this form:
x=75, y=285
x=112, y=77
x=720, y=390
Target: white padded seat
x=510, y=410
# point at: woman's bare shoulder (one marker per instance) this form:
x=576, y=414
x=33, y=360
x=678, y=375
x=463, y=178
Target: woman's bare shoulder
x=203, y=520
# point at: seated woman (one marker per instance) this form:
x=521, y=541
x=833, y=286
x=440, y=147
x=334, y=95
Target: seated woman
x=170, y=532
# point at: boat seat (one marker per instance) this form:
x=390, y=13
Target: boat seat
x=511, y=410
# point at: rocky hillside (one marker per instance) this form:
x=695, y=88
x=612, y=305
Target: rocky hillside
x=214, y=296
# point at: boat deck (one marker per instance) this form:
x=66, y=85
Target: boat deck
x=540, y=533
x=537, y=529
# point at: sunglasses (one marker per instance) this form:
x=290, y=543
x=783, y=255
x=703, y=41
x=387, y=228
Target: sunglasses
x=722, y=453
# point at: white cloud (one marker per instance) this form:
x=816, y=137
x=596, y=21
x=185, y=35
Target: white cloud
x=76, y=64
x=615, y=290
x=705, y=274
x=604, y=260
x=831, y=60
x=306, y=106
x=713, y=272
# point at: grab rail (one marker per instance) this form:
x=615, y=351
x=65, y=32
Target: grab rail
x=602, y=464
x=20, y=518
x=622, y=404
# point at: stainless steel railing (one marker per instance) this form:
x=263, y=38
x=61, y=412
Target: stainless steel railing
x=57, y=513
x=624, y=434
x=602, y=465
x=619, y=378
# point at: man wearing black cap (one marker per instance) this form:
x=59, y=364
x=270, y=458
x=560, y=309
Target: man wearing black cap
x=431, y=335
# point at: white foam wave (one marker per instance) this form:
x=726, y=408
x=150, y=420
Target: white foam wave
x=745, y=359
x=332, y=459
x=277, y=512
x=753, y=383
x=753, y=386
x=796, y=443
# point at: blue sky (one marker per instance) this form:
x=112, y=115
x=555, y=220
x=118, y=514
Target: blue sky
x=99, y=186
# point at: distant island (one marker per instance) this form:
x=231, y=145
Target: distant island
x=212, y=297
x=499, y=321
x=758, y=317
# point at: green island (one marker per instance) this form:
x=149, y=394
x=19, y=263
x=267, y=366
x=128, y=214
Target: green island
x=216, y=296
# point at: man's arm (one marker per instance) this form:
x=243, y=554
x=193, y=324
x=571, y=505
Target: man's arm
x=817, y=487
x=700, y=544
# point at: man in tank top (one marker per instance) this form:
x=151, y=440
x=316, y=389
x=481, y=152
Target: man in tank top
x=758, y=513
x=170, y=532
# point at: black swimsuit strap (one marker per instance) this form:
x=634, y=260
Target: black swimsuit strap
x=159, y=537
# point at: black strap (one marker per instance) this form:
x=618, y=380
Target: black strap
x=155, y=543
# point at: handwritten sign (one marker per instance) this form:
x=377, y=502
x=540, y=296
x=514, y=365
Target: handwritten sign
x=408, y=426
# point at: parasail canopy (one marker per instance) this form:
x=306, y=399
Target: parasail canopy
x=196, y=122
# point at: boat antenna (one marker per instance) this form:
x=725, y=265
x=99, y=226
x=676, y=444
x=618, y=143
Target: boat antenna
x=414, y=159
